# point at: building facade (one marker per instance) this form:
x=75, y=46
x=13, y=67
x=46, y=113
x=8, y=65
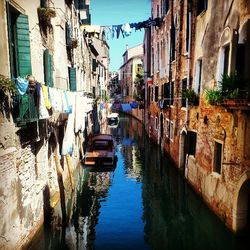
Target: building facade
x=45, y=116
x=199, y=59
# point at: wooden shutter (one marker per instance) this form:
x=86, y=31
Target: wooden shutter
x=48, y=69
x=72, y=79
x=23, y=46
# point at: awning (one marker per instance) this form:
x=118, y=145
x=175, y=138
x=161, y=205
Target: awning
x=126, y=141
x=134, y=105
x=126, y=107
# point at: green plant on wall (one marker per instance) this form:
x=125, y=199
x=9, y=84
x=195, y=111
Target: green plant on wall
x=233, y=86
x=213, y=97
x=45, y=15
x=7, y=86
x=190, y=94
x=7, y=89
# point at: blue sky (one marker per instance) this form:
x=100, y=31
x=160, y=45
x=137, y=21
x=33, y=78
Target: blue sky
x=115, y=12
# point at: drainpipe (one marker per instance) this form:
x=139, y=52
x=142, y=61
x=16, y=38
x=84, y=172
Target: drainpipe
x=189, y=58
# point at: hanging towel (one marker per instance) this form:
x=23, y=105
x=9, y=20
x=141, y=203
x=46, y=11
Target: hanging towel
x=66, y=107
x=43, y=112
x=55, y=99
x=22, y=85
x=68, y=140
x=80, y=113
x=46, y=96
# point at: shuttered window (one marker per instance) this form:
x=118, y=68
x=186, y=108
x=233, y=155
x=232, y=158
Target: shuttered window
x=72, y=79
x=48, y=68
x=23, y=46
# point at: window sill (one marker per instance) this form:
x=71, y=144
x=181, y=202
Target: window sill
x=201, y=14
x=216, y=175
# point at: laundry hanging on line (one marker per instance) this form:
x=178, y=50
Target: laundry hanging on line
x=124, y=30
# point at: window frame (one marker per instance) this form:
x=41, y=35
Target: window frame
x=171, y=131
x=167, y=128
x=215, y=167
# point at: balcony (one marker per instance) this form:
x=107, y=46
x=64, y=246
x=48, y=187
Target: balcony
x=25, y=108
x=240, y=104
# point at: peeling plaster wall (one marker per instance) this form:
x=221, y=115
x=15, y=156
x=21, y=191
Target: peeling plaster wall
x=223, y=124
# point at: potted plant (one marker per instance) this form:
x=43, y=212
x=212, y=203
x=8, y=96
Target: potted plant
x=213, y=97
x=45, y=15
x=7, y=89
x=192, y=96
x=7, y=86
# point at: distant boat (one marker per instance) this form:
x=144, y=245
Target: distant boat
x=113, y=120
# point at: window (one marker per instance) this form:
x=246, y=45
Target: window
x=191, y=142
x=152, y=61
x=48, y=68
x=156, y=123
x=167, y=53
x=44, y=3
x=166, y=95
x=224, y=61
x=158, y=57
x=167, y=128
x=94, y=64
x=171, y=132
x=188, y=23
x=72, y=79
x=172, y=94
x=19, y=43
x=149, y=92
x=166, y=7
x=198, y=74
x=217, y=157
x=173, y=41
x=156, y=93
x=184, y=87
x=201, y=6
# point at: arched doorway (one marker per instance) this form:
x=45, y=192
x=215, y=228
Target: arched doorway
x=242, y=216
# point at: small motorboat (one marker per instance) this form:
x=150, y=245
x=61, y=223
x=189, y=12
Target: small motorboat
x=101, y=151
x=113, y=120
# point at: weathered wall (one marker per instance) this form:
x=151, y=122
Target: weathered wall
x=4, y=69
x=221, y=191
x=28, y=155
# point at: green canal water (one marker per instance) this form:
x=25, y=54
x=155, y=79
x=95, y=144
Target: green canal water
x=144, y=203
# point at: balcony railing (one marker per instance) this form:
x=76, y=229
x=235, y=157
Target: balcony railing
x=25, y=108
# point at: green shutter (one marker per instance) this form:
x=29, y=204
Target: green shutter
x=23, y=46
x=72, y=79
x=48, y=69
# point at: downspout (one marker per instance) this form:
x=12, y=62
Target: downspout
x=189, y=59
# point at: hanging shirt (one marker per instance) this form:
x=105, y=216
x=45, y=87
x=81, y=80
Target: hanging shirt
x=126, y=29
x=46, y=96
x=22, y=85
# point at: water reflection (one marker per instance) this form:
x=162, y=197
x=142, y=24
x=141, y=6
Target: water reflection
x=143, y=204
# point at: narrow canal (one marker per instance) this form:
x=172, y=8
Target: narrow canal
x=143, y=204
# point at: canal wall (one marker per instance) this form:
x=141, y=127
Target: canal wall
x=30, y=186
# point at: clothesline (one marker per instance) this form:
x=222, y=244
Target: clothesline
x=122, y=29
